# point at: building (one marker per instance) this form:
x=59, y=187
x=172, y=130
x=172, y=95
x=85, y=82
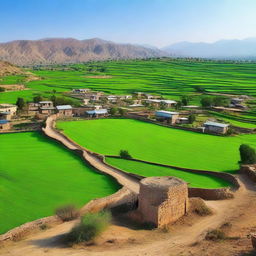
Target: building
x=86, y=101
x=157, y=103
x=214, y=127
x=8, y=108
x=97, y=112
x=4, y=125
x=45, y=104
x=80, y=90
x=182, y=120
x=64, y=110
x=5, y=116
x=170, y=117
x=125, y=97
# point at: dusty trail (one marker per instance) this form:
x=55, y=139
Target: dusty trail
x=122, y=178
x=150, y=243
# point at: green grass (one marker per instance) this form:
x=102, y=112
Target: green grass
x=38, y=175
x=158, y=144
x=143, y=169
x=169, y=77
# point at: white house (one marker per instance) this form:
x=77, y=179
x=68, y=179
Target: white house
x=216, y=127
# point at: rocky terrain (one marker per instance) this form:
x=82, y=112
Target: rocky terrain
x=69, y=50
x=8, y=69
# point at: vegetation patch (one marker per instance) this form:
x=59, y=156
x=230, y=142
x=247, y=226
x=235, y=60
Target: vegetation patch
x=159, y=144
x=38, y=175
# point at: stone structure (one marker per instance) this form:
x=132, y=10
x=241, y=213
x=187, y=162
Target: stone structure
x=9, y=109
x=170, y=117
x=213, y=127
x=162, y=200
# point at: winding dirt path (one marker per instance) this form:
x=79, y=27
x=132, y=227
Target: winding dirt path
x=92, y=159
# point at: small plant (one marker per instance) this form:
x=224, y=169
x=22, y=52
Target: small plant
x=215, y=235
x=198, y=206
x=90, y=226
x=67, y=213
x=43, y=227
x=125, y=154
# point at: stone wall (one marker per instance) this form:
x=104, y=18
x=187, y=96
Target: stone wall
x=162, y=200
x=211, y=194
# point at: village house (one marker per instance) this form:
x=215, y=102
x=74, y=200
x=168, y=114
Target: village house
x=125, y=97
x=86, y=101
x=138, y=94
x=171, y=117
x=4, y=125
x=182, y=120
x=9, y=110
x=97, y=113
x=64, y=110
x=45, y=104
x=157, y=103
x=214, y=127
x=46, y=107
x=80, y=91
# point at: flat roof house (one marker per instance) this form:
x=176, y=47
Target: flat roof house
x=156, y=103
x=214, y=127
x=64, y=110
x=168, y=116
x=10, y=108
x=80, y=90
x=97, y=112
x=45, y=104
x=4, y=125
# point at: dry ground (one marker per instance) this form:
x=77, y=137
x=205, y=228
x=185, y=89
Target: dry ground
x=186, y=237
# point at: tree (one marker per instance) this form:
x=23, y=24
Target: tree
x=20, y=103
x=199, y=88
x=221, y=101
x=192, y=118
x=206, y=102
x=178, y=105
x=247, y=154
x=185, y=100
x=37, y=98
x=2, y=89
x=125, y=154
x=121, y=111
x=113, y=111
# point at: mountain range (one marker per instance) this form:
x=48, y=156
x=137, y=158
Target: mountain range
x=223, y=49
x=69, y=50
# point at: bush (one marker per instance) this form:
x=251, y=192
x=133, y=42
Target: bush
x=90, y=226
x=192, y=118
x=198, y=206
x=125, y=154
x=67, y=213
x=2, y=89
x=215, y=234
x=247, y=154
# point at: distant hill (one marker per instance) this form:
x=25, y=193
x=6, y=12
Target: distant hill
x=224, y=49
x=69, y=50
x=8, y=69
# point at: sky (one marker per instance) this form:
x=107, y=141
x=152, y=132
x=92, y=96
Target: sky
x=153, y=22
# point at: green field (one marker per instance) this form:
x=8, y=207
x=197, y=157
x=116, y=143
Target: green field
x=194, y=180
x=158, y=144
x=168, y=77
x=37, y=175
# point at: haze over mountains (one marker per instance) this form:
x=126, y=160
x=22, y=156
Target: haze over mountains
x=223, y=49
x=69, y=50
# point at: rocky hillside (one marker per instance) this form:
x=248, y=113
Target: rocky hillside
x=50, y=51
x=8, y=69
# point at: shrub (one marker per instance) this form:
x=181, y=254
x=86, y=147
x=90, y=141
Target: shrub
x=198, y=206
x=192, y=118
x=125, y=154
x=67, y=213
x=113, y=111
x=215, y=234
x=247, y=154
x=90, y=226
x=2, y=89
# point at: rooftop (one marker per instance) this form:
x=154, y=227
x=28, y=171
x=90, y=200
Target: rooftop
x=167, y=112
x=45, y=102
x=4, y=121
x=6, y=105
x=210, y=123
x=97, y=111
x=64, y=107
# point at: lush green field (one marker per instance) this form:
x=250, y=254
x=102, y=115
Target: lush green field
x=158, y=144
x=168, y=77
x=194, y=180
x=37, y=175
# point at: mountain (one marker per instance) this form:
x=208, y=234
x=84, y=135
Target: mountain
x=223, y=49
x=8, y=69
x=69, y=50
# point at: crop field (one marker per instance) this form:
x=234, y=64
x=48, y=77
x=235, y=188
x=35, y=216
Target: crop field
x=169, y=77
x=38, y=175
x=158, y=144
x=147, y=170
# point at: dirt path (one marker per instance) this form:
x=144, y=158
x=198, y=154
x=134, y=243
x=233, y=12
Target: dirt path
x=151, y=243
x=122, y=178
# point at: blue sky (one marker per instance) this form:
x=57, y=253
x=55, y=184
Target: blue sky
x=155, y=22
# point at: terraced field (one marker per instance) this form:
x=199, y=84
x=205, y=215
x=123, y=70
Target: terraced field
x=147, y=170
x=158, y=144
x=38, y=175
x=169, y=77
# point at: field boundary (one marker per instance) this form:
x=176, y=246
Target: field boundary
x=226, y=176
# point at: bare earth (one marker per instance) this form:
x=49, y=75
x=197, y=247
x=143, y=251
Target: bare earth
x=186, y=237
